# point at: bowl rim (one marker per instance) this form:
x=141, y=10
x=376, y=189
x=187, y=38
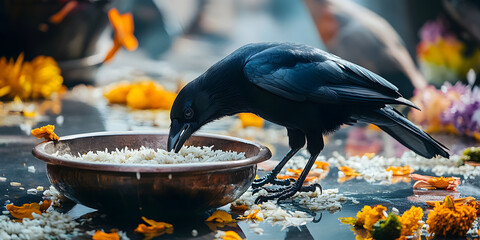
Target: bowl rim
x=39, y=152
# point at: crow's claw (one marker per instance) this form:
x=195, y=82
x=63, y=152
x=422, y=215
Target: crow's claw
x=286, y=192
x=270, y=178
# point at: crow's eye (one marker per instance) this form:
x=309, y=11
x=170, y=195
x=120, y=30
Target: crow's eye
x=188, y=114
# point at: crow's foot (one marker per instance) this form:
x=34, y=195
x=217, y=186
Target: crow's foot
x=271, y=178
x=286, y=192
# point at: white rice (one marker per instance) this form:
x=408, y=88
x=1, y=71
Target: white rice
x=270, y=212
x=52, y=225
x=373, y=170
x=144, y=155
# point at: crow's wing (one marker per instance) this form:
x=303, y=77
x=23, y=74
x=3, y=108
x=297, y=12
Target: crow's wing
x=303, y=73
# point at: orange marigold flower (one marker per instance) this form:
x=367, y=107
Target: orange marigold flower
x=400, y=171
x=369, y=216
x=141, y=95
x=101, y=235
x=252, y=216
x=450, y=219
x=428, y=182
x=122, y=25
x=250, y=120
x=410, y=221
x=154, y=230
x=220, y=216
x=348, y=171
x=45, y=132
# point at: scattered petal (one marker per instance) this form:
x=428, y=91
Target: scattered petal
x=220, y=216
x=45, y=132
x=100, y=235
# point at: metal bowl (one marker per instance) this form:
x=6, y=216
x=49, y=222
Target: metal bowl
x=150, y=189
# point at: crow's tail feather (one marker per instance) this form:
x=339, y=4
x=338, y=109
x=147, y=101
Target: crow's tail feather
x=404, y=131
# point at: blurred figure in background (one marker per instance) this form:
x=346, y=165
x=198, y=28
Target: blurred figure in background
x=356, y=34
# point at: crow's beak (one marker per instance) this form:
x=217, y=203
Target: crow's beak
x=179, y=133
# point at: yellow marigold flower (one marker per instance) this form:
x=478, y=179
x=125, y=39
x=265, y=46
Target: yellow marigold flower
x=154, y=230
x=29, y=80
x=400, y=171
x=122, y=25
x=450, y=219
x=410, y=221
x=252, y=216
x=220, y=216
x=101, y=235
x=45, y=132
x=369, y=216
x=250, y=120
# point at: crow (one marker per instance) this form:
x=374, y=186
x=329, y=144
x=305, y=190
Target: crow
x=306, y=90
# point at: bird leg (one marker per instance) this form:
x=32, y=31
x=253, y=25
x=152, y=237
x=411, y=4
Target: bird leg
x=271, y=177
x=296, y=140
x=289, y=191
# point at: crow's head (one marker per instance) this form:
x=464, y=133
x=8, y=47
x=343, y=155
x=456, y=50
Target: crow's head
x=189, y=112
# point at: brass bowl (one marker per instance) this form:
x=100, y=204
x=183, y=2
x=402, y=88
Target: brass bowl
x=166, y=189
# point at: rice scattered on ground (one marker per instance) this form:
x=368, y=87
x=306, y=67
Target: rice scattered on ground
x=52, y=225
x=373, y=169
x=144, y=155
x=270, y=212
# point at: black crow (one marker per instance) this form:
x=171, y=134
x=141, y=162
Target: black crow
x=305, y=89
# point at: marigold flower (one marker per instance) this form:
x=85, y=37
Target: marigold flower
x=369, y=216
x=410, y=221
x=101, y=235
x=252, y=216
x=29, y=80
x=154, y=230
x=122, y=25
x=400, y=171
x=45, y=132
x=429, y=182
x=220, y=216
x=250, y=120
x=450, y=219
x=141, y=95
x=27, y=209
